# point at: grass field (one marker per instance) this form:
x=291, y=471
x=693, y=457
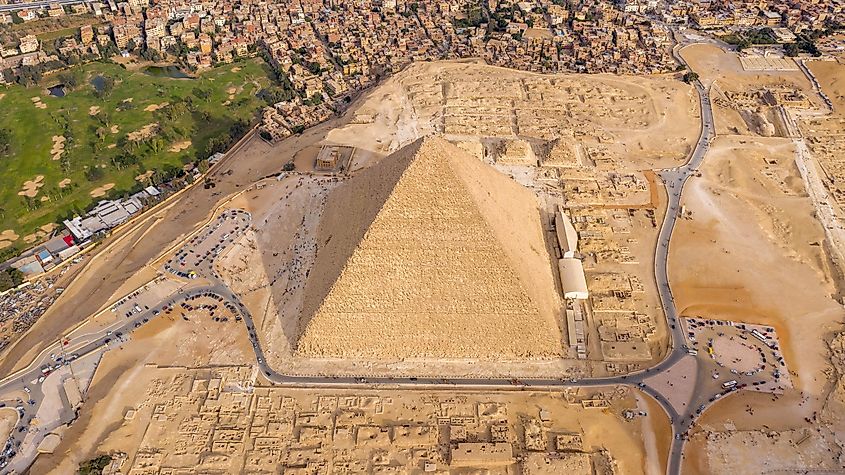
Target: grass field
x=104, y=137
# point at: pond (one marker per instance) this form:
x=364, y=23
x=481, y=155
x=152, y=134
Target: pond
x=99, y=82
x=57, y=91
x=171, y=71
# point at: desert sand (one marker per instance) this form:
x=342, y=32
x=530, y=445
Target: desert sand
x=751, y=251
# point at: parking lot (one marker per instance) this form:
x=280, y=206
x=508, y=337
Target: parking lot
x=738, y=355
x=197, y=256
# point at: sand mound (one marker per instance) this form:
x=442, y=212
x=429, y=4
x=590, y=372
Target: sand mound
x=30, y=187
x=64, y=183
x=93, y=110
x=430, y=253
x=179, y=146
x=155, y=107
x=144, y=132
x=101, y=190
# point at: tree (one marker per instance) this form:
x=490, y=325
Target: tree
x=690, y=77
x=5, y=142
x=10, y=278
x=105, y=89
x=94, y=173
x=791, y=50
x=94, y=466
x=201, y=93
x=69, y=80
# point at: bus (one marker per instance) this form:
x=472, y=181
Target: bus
x=729, y=384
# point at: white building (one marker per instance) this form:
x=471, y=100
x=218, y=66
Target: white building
x=572, y=279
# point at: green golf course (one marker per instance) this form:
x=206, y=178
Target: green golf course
x=113, y=131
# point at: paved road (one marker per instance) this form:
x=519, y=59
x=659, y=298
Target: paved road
x=674, y=180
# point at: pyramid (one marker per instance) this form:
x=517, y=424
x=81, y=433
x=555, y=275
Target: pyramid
x=430, y=254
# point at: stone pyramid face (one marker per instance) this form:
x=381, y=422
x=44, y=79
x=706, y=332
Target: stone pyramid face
x=428, y=277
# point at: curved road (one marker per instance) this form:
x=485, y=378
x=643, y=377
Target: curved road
x=674, y=180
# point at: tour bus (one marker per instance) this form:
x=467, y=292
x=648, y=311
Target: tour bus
x=758, y=335
x=729, y=384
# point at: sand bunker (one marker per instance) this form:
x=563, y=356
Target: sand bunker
x=155, y=107
x=35, y=237
x=114, y=129
x=7, y=238
x=128, y=100
x=30, y=187
x=236, y=69
x=64, y=183
x=2, y=95
x=144, y=132
x=179, y=146
x=101, y=190
x=58, y=147
x=93, y=110
x=415, y=263
x=37, y=102
x=144, y=176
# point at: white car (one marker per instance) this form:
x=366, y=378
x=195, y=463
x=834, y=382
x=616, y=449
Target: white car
x=26, y=388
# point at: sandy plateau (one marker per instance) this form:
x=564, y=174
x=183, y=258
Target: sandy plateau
x=751, y=249
x=629, y=122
